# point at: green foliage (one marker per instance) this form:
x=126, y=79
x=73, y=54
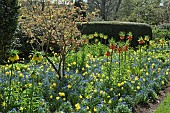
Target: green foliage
x=162, y=32
x=8, y=24
x=164, y=106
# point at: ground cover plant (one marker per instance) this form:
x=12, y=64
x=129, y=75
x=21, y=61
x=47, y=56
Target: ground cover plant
x=98, y=78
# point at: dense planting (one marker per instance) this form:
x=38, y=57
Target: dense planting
x=98, y=78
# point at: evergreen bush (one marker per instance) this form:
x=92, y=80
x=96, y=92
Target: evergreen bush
x=8, y=23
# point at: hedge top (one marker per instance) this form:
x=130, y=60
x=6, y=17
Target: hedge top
x=113, y=28
x=115, y=22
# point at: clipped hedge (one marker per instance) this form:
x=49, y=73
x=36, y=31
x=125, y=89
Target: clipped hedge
x=112, y=29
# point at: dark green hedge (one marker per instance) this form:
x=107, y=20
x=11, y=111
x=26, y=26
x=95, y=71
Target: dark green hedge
x=8, y=24
x=112, y=29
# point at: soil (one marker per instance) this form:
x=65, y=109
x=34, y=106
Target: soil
x=151, y=107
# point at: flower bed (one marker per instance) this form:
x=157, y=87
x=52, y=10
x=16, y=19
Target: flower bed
x=94, y=82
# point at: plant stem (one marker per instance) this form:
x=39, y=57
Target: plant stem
x=32, y=91
x=119, y=63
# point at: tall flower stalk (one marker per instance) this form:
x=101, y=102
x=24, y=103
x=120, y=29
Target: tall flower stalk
x=13, y=56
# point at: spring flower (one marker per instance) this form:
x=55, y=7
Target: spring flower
x=7, y=73
x=141, y=41
x=77, y=106
x=129, y=36
x=125, y=48
x=122, y=35
x=61, y=94
x=80, y=97
x=13, y=58
x=118, y=84
x=87, y=107
x=136, y=78
x=95, y=110
x=69, y=65
x=37, y=57
x=51, y=96
x=87, y=66
x=138, y=87
x=74, y=63
x=3, y=104
x=69, y=86
x=57, y=98
x=110, y=101
x=107, y=53
x=162, y=82
x=112, y=47
x=21, y=75
x=119, y=49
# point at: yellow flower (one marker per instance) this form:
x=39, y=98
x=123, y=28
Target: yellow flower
x=71, y=76
x=77, y=70
x=21, y=75
x=7, y=73
x=54, y=84
x=69, y=86
x=69, y=65
x=80, y=97
x=61, y=94
x=13, y=58
x=110, y=101
x=51, y=96
x=95, y=110
x=87, y=107
x=159, y=69
x=118, y=84
x=153, y=65
x=77, y=106
x=57, y=98
x=163, y=82
x=87, y=66
x=138, y=87
x=3, y=104
x=74, y=63
x=136, y=78
x=37, y=57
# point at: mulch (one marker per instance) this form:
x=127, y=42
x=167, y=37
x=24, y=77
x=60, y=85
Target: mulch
x=152, y=106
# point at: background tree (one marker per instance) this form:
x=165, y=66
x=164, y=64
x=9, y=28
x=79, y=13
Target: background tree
x=8, y=24
x=107, y=8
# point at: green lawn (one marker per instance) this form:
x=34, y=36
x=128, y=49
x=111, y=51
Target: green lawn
x=165, y=106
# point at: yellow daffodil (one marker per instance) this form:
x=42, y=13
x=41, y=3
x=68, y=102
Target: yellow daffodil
x=77, y=106
x=57, y=98
x=61, y=94
x=69, y=86
x=13, y=58
x=94, y=109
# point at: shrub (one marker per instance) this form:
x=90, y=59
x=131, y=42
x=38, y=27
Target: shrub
x=113, y=28
x=8, y=23
x=162, y=31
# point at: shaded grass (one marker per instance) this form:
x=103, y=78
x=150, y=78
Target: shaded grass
x=164, y=106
